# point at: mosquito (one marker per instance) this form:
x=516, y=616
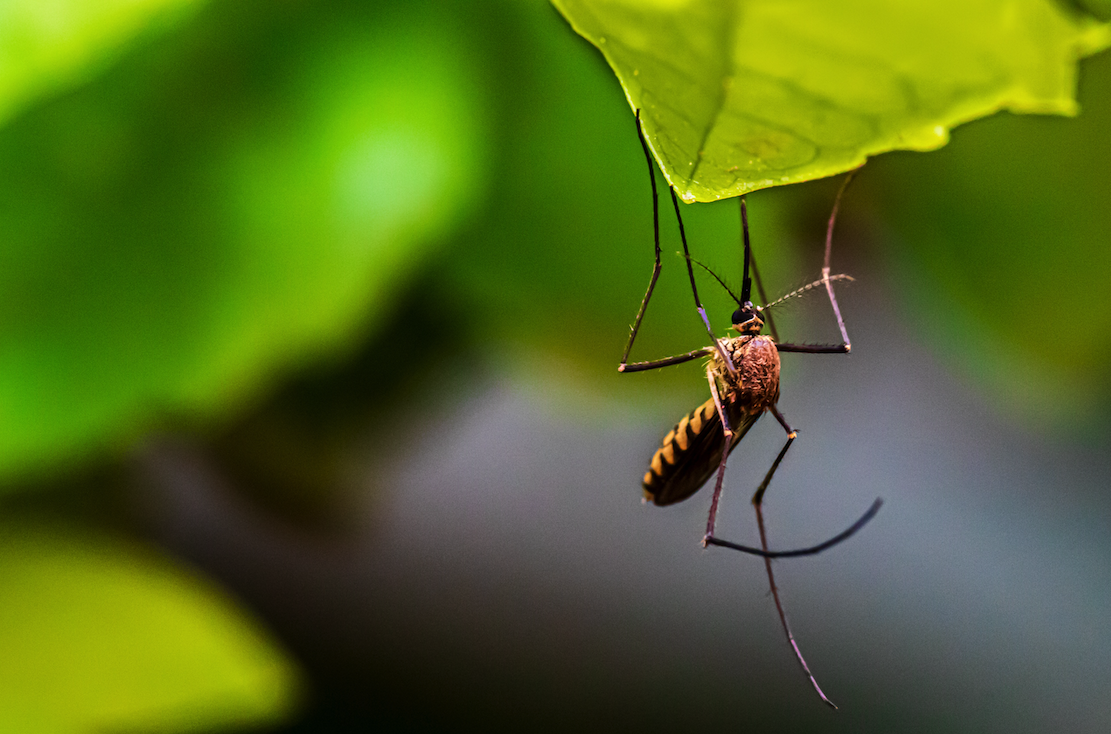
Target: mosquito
x=743, y=376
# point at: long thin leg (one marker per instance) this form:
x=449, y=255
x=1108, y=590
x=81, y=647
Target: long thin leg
x=666, y=361
x=750, y=259
x=827, y=280
x=727, y=430
x=767, y=315
x=757, y=502
x=655, y=268
x=814, y=348
x=711, y=522
x=825, y=264
x=798, y=552
x=694, y=288
x=779, y=606
x=792, y=434
x=712, y=519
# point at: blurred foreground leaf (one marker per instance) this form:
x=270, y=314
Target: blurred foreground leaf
x=237, y=199
x=101, y=636
x=745, y=95
x=46, y=44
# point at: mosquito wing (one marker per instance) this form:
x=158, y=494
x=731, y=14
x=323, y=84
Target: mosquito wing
x=691, y=452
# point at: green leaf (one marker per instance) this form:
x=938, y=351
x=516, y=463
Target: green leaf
x=213, y=212
x=101, y=636
x=48, y=44
x=739, y=96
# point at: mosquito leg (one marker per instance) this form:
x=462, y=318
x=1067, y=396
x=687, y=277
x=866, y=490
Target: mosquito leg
x=757, y=503
x=779, y=604
x=814, y=348
x=717, y=402
x=655, y=268
x=666, y=361
x=694, y=288
x=767, y=315
x=792, y=434
x=750, y=259
x=798, y=552
x=711, y=520
x=825, y=264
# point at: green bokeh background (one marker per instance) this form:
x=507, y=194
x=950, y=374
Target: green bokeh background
x=284, y=232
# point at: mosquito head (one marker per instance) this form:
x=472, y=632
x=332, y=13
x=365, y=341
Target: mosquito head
x=747, y=319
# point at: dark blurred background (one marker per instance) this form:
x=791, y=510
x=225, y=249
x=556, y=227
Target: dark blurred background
x=324, y=302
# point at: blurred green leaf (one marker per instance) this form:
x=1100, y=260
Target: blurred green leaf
x=741, y=96
x=48, y=44
x=102, y=636
x=213, y=211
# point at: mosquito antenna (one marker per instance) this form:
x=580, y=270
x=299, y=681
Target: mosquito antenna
x=719, y=280
x=805, y=289
x=746, y=282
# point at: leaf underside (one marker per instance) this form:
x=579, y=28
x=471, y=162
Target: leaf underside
x=740, y=96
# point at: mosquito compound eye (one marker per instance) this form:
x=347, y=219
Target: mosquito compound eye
x=744, y=316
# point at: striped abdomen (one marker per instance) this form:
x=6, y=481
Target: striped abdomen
x=691, y=452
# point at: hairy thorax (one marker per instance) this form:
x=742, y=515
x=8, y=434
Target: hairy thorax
x=755, y=387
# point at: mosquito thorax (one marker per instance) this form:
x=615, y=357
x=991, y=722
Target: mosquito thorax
x=747, y=320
